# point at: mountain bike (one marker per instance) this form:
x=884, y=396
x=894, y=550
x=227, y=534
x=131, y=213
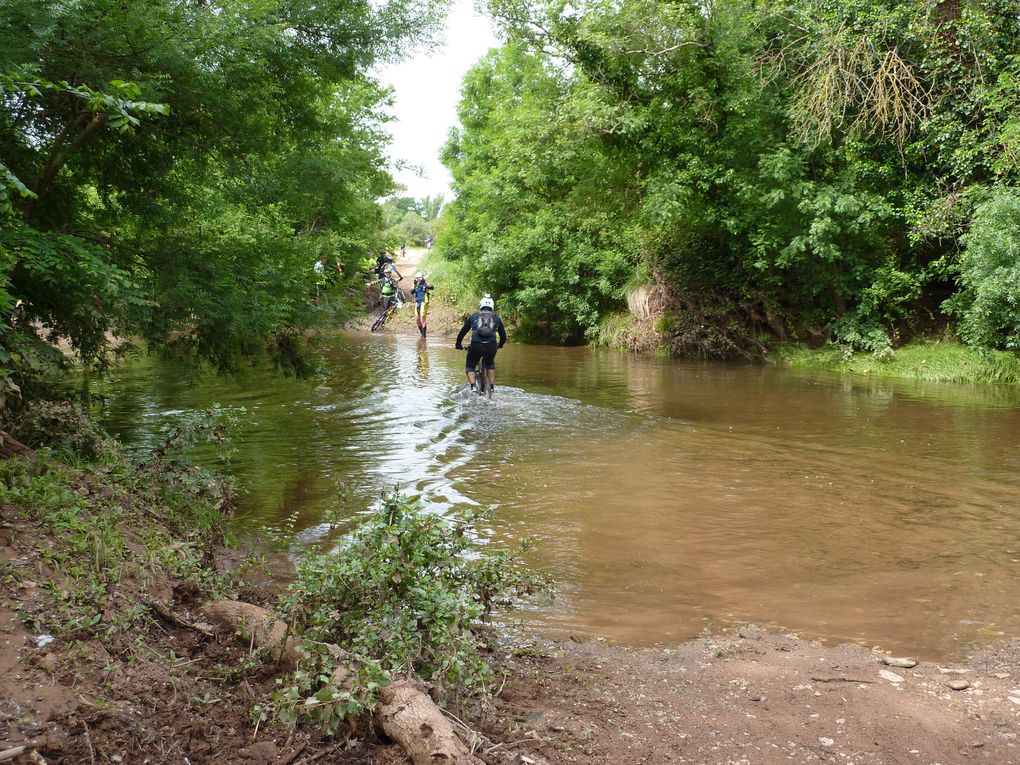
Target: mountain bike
x=482, y=380
x=397, y=301
x=385, y=316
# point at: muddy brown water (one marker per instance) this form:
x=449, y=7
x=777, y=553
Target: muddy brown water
x=670, y=497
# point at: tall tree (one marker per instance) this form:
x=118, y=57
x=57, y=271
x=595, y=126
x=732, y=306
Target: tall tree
x=207, y=218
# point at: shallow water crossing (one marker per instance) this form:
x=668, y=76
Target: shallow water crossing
x=668, y=497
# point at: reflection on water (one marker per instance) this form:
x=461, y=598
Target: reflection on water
x=668, y=495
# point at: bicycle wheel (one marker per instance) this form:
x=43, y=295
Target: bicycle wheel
x=379, y=322
x=483, y=380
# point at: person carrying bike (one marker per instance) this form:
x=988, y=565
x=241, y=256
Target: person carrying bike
x=420, y=291
x=387, y=292
x=487, y=336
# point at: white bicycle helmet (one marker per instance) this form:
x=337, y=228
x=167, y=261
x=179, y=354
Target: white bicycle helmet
x=419, y=275
x=487, y=302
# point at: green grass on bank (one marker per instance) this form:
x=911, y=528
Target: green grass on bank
x=453, y=281
x=928, y=361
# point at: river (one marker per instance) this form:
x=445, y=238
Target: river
x=669, y=497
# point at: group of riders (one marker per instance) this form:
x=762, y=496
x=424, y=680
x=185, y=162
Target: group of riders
x=388, y=279
x=488, y=334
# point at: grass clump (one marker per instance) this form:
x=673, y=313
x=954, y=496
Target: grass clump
x=927, y=361
x=406, y=594
x=454, y=281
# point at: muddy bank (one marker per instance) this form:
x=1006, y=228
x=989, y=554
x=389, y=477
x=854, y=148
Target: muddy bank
x=150, y=683
x=108, y=653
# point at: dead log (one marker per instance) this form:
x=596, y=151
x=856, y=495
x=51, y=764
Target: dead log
x=412, y=719
x=179, y=621
x=11, y=447
x=257, y=624
x=406, y=714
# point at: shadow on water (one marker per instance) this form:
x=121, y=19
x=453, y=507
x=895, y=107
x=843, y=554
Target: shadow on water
x=668, y=495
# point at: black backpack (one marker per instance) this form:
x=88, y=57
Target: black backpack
x=485, y=326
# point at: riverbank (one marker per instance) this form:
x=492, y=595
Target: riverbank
x=759, y=698
x=928, y=361
x=108, y=655
x=644, y=330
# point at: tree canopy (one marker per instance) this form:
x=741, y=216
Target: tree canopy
x=172, y=169
x=807, y=169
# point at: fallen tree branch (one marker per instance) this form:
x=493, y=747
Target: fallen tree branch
x=294, y=755
x=10, y=447
x=841, y=680
x=169, y=616
x=10, y=754
x=412, y=719
x=257, y=624
x=316, y=757
x=405, y=713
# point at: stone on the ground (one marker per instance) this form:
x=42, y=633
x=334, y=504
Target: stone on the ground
x=958, y=685
x=899, y=661
x=892, y=677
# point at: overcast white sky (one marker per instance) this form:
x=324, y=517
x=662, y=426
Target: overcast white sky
x=426, y=92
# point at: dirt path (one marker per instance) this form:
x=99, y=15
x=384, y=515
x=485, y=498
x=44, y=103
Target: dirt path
x=756, y=698
x=408, y=264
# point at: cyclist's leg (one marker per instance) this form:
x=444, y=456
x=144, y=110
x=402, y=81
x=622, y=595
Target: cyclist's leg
x=490, y=364
x=473, y=355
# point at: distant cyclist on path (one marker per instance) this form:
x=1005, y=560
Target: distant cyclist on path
x=485, y=327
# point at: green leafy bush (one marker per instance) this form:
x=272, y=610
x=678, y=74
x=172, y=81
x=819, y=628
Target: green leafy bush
x=404, y=594
x=810, y=163
x=989, y=305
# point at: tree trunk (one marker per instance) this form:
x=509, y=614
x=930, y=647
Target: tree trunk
x=58, y=157
x=255, y=623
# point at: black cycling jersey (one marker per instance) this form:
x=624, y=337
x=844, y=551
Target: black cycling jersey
x=471, y=325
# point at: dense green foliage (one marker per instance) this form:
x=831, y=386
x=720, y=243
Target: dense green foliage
x=799, y=170
x=990, y=274
x=188, y=205
x=404, y=594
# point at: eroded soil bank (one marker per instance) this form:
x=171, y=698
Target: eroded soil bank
x=162, y=690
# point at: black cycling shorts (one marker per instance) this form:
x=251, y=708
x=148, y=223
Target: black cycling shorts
x=484, y=351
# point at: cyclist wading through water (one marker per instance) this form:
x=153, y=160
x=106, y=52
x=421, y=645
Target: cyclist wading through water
x=421, y=291
x=487, y=336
